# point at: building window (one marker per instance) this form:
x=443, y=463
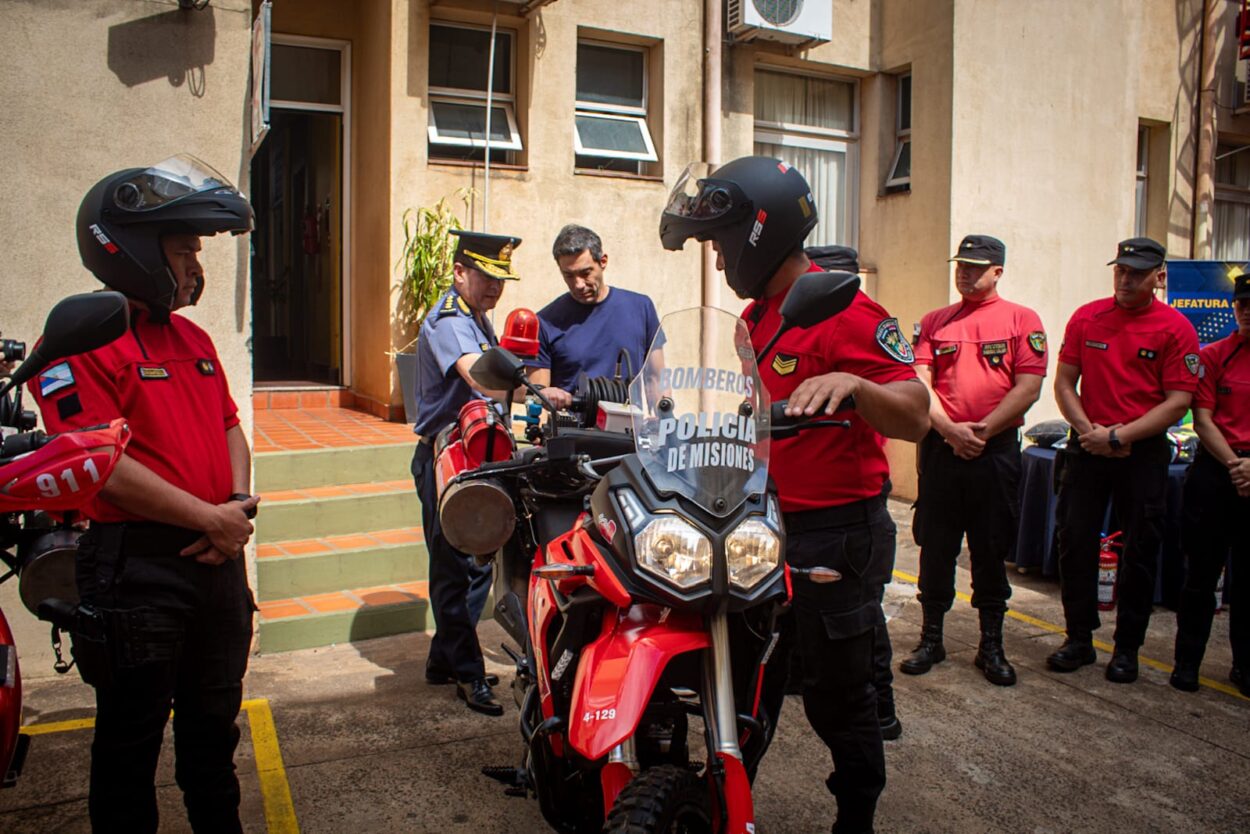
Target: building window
x=610, y=126
x=1143, y=167
x=1232, y=204
x=810, y=122
x=459, y=69
x=899, y=176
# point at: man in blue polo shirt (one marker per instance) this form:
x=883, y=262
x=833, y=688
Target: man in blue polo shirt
x=587, y=329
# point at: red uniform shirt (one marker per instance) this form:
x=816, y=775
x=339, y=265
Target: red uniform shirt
x=1128, y=358
x=166, y=381
x=828, y=467
x=976, y=349
x=1224, y=387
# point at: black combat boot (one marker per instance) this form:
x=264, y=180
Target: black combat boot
x=929, y=650
x=990, y=658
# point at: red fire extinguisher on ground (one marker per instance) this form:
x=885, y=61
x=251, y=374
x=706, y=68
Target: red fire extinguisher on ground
x=1108, y=565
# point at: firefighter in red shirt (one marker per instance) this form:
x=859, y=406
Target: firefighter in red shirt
x=757, y=211
x=166, y=614
x=1216, y=500
x=1137, y=363
x=983, y=361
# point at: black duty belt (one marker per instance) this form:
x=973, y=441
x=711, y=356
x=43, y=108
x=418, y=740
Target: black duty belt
x=843, y=515
x=143, y=538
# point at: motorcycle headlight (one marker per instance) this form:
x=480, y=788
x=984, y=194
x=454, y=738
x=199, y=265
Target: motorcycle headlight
x=752, y=551
x=675, y=551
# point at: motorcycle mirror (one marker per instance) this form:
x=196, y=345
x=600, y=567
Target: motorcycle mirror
x=77, y=324
x=815, y=297
x=497, y=369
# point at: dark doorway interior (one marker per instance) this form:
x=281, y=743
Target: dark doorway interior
x=297, y=318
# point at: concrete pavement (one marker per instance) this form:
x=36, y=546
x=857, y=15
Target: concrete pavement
x=360, y=743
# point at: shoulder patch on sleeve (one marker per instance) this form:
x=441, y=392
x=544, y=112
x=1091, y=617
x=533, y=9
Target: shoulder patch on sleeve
x=893, y=343
x=1193, y=363
x=55, y=378
x=1037, y=341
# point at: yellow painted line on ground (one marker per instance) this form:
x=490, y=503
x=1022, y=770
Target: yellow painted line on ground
x=1218, y=686
x=274, y=789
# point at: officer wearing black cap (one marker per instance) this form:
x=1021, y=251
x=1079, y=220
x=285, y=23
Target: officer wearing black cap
x=1137, y=363
x=834, y=258
x=983, y=360
x=1216, y=502
x=452, y=337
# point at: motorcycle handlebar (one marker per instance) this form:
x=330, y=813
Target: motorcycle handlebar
x=24, y=443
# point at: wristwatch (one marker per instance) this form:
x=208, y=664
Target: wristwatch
x=1113, y=441
x=243, y=496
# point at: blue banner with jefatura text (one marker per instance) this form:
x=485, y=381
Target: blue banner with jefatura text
x=1203, y=292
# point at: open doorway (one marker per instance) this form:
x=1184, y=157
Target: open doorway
x=299, y=280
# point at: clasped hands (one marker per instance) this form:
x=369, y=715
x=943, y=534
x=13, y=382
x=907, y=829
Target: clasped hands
x=227, y=531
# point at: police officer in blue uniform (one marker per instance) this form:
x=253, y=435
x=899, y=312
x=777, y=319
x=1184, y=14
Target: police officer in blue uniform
x=453, y=336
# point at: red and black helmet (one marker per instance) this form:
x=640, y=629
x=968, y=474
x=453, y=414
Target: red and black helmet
x=122, y=218
x=758, y=209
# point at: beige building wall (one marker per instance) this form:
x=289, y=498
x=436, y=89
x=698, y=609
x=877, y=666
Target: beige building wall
x=88, y=88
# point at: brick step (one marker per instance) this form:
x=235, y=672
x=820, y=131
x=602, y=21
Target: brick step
x=343, y=616
x=294, y=470
x=316, y=566
x=318, y=512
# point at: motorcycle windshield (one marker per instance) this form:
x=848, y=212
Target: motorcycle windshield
x=701, y=414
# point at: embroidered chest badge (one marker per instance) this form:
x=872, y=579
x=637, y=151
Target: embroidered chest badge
x=994, y=352
x=892, y=341
x=55, y=378
x=945, y=349
x=1037, y=341
x=1146, y=353
x=206, y=367
x=1193, y=363
x=785, y=365
x=152, y=372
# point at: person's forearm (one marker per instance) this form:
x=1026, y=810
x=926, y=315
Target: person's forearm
x=1012, y=407
x=896, y=409
x=240, y=460
x=136, y=489
x=1156, y=420
x=938, y=418
x=1212, y=440
x=1070, y=406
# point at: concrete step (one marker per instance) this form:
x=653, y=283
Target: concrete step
x=316, y=566
x=317, y=512
x=343, y=616
x=292, y=470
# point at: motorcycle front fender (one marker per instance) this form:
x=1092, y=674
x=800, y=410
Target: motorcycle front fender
x=618, y=672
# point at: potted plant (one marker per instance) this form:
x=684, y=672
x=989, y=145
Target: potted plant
x=425, y=273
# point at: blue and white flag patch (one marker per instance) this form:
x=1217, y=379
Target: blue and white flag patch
x=55, y=378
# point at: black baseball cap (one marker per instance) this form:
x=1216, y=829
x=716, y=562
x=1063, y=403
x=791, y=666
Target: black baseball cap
x=1241, y=287
x=1140, y=253
x=982, y=250
x=834, y=258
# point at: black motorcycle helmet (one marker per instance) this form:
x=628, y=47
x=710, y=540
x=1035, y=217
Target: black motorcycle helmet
x=758, y=209
x=122, y=218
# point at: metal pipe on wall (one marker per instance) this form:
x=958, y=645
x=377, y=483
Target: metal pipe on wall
x=713, y=29
x=1204, y=165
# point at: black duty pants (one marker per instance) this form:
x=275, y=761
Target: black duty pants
x=1138, y=486
x=979, y=497
x=177, y=634
x=837, y=628
x=1213, y=514
x=458, y=586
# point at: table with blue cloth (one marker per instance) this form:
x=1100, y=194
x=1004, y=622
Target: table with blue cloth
x=1036, y=545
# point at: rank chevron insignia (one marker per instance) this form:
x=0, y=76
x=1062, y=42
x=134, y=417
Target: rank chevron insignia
x=785, y=365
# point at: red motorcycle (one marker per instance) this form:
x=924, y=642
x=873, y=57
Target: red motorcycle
x=43, y=479
x=640, y=571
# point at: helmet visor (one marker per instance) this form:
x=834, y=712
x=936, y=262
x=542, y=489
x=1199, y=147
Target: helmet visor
x=166, y=182
x=698, y=198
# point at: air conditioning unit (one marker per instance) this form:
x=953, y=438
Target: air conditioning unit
x=787, y=21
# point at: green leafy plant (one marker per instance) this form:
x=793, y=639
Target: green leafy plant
x=425, y=262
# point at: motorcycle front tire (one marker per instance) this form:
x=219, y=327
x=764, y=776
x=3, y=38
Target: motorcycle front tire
x=666, y=799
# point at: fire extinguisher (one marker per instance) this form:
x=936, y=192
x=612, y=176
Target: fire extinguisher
x=1108, y=566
